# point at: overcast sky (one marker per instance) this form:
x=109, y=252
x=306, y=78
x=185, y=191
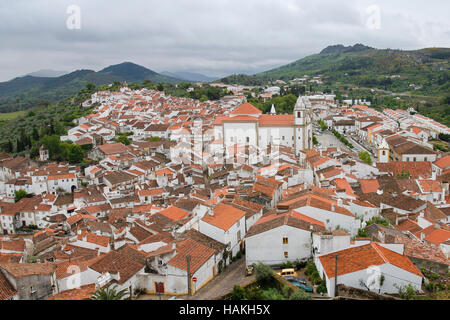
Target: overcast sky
x=213, y=37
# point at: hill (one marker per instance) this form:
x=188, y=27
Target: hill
x=360, y=65
x=26, y=92
x=189, y=76
x=47, y=73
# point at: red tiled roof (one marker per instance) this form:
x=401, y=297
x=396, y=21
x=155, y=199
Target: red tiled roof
x=6, y=289
x=246, y=108
x=174, y=213
x=430, y=185
x=438, y=236
x=113, y=148
x=276, y=120
x=369, y=185
x=443, y=162
x=82, y=293
x=198, y=252
x=224, y=216
x=362, y=257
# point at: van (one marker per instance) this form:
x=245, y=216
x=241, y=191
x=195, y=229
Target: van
x=288, y=272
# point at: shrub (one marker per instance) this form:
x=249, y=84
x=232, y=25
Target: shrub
x=407, y=292
x=285, y=291
x=315, y=277
x=300, y=295
x=272, y=294
x=310, y=268
x=239, y=255
x=286, y=265
x=264, y=274
x=254, y=293
x=238, y=293
x=322, y=288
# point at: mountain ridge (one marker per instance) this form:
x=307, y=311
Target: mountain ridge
x=25, y=92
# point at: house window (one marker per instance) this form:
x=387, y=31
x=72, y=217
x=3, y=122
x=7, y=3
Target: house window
x=247, y=139
x=285, y=240
x=286, y=255
x=414, y=159
x=32, y=289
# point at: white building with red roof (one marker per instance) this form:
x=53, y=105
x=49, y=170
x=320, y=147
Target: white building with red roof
x=371, y=266
x=226, y=224
x=278, y=238
x=247, y=125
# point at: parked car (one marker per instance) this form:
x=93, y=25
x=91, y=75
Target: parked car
x=302, y=286
x=249, y=270
x=288, y=272
x=290, y=278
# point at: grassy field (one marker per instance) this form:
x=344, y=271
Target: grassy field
x=11, y=115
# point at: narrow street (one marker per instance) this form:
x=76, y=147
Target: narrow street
x=222, y=284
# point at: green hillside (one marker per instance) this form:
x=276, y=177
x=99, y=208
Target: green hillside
x=392, y=70
x=359, y=65
x=27, y=92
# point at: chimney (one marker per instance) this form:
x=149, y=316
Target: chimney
x=433, y=175
x=339, y=202
x=332, y=207
x=422, y=236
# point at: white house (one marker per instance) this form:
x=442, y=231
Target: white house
x=278, y=238
x=226, y=224
x=370, y=266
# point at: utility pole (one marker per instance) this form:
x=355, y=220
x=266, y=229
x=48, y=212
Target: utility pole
x=335, y=275
x=188, y=265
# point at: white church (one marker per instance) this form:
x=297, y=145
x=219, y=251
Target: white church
x=248, y=126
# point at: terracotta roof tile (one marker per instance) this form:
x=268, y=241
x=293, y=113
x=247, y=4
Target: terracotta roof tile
x=224, y=216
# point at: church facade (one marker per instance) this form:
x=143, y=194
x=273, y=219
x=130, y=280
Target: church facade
x=248, y=126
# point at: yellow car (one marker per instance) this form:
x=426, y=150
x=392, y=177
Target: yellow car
x=288, y=272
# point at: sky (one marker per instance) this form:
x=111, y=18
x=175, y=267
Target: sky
x=213, y=37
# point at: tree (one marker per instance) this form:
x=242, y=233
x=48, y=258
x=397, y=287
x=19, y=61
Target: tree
x=407, y=292
x=90, y=86
x=123, y=139
x=19, y=194
x=315, y=142
x=365, y=157
x=272, y=294
x=35, y=134
x=264, y=274
x=72, y=153
x=110, y=293
x=238, y=293
x=300, y=295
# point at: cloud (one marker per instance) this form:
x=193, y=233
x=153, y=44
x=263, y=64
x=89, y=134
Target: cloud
x=215, y=37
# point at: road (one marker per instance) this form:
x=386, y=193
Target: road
x=222, y=284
